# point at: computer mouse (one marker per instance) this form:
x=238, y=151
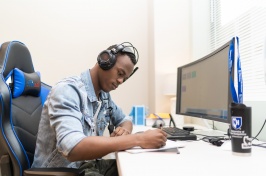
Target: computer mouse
x=159, y=123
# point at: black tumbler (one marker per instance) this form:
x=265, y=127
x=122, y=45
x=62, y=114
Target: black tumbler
x=241, y=129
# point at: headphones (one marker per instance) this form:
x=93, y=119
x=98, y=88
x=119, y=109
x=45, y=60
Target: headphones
x=107, y=58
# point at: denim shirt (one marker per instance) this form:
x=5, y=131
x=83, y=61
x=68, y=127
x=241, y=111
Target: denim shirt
x=68, y=117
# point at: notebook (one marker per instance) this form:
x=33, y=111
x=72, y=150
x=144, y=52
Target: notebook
x=169, y=145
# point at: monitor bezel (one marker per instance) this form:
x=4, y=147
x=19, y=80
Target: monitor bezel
x=179, y=89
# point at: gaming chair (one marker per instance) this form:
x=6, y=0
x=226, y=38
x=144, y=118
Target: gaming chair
x=22, y=95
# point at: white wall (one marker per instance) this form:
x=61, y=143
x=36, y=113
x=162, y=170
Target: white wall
x=200, y=36
x=172, y=44
x=66, y=36
x=258, y=118
x=200, y=29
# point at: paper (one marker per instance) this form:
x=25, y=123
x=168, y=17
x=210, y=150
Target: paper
x=169, y=145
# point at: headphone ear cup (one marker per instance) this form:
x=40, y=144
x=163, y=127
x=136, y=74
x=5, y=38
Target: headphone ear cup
x=106, y=59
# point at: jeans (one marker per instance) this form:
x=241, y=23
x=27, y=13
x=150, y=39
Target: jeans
x=100, y=167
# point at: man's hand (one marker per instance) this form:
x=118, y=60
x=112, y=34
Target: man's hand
x=153, y=138
x=119, y=131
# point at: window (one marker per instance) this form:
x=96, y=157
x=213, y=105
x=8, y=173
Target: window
x=247, y=20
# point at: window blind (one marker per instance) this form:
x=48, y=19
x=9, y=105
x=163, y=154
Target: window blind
x=247, y=20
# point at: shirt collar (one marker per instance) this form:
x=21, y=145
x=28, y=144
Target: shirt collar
x=86, y=79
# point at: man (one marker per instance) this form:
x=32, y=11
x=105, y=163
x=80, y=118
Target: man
x=78, y=109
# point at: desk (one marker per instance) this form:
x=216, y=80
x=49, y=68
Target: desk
x=196, y=158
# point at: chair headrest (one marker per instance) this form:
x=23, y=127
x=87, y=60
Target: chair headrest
x=15, y=54
x=25, y=83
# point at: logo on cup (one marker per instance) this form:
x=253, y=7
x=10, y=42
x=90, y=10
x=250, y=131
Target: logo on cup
x=236, y=122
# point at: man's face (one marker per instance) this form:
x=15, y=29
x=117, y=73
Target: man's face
x=110, y=79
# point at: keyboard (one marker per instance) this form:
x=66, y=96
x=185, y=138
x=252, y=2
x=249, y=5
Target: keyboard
x=174, y=133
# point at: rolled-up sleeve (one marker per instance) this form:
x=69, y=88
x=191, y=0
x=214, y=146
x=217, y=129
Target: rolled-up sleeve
x=65, y=117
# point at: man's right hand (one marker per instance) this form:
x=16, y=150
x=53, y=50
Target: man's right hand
x=152, y=138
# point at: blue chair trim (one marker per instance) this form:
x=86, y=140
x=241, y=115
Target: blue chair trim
x=7, y=53
x=45, y=89
x=8, y=141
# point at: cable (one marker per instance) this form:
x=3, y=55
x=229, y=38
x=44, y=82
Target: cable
x=171, y=120
x=260, y=130
x=260, y=145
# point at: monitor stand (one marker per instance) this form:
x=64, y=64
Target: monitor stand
x=209, y=132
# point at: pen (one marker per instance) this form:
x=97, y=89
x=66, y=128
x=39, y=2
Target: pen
x=157, y=116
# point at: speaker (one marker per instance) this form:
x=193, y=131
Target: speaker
x=107, y=58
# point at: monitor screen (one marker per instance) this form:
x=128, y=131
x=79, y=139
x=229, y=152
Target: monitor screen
x=203, y=87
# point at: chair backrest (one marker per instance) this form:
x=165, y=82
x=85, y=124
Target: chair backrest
x=20, y=116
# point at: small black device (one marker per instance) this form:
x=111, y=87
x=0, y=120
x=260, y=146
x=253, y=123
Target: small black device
x=214, y=140
x=188, y=128
x=110, y=127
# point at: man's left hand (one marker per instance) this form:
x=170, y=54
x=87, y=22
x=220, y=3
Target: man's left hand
x=119, y=131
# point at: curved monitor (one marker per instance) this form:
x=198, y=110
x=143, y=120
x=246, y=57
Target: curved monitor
x=203, y=88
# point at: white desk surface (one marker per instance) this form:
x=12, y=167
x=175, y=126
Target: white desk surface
x=196, y=158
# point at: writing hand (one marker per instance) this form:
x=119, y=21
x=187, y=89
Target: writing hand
x=153, y=138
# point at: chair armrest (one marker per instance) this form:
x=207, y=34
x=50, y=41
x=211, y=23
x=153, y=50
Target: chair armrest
x=54, y=172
